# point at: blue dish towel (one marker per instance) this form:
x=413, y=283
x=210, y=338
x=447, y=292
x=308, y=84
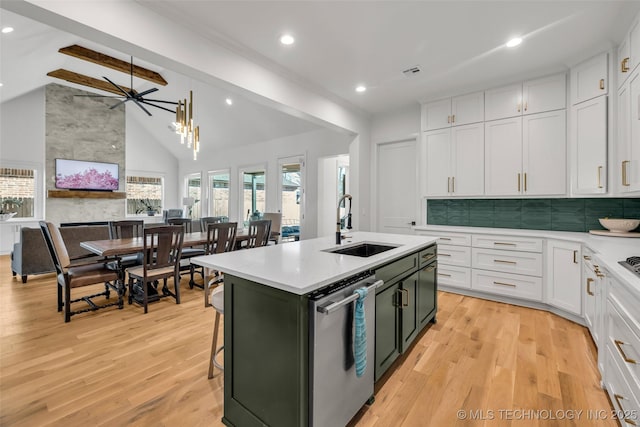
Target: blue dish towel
x=360, y=336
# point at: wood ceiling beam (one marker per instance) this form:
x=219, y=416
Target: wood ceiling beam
x=83, y=80
x=113, y=63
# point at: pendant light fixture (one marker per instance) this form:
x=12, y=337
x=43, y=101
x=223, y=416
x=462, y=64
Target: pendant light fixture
x=185, y=127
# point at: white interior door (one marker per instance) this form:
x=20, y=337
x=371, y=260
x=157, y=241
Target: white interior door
x=397, y=195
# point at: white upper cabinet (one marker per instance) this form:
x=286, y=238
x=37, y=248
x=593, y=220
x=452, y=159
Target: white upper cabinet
x=634, y=44
x=467, y=109
x=624, y=65
x=455, y=165
x=438, y=151
x=456, y=111
x=632, y=167
x=503, y=102
x=545, y=94
x=503, y=157
x=589, y=145
x=437, y=114
x=589, y=79
x=531, y=97
x=467, y=160
x=544, y=158
x=624, y=140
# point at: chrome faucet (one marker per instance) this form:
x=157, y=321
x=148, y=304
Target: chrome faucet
x=338, y=223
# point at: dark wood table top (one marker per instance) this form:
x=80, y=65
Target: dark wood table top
x=117, y=247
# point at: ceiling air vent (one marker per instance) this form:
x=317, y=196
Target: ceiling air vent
x=411, y=71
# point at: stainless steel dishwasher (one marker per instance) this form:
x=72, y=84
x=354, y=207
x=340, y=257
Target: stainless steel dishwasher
x=335, y=392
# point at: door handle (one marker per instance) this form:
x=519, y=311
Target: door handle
x=336, y=305
x=402, y=303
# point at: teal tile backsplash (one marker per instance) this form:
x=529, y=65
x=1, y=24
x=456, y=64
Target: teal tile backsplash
x=536, y=214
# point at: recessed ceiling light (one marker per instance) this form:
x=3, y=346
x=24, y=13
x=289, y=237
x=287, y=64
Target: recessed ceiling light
x=1, y=84
x=6, y=30
x=287, y=39
x=229, y=101
x=514, y=42
x=361, y=88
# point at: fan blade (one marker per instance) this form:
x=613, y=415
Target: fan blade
x=101, y=96
x=144, y=101
x=139, y=104
x=119, y=88
x=119, y=103
x=141, y=94
x=158, y=100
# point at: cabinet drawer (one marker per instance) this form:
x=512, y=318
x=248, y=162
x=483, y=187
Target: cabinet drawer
x=627, y=303
x=398, y=268
x=624, y=345
x=458, y=277
x=457, y=239
x=427, y=255
x=625, y=405
x=528, y=263
x=454, y=255
x=513, y=285
x=507, y=242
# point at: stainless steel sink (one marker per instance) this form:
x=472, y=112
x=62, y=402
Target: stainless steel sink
x=362, y=249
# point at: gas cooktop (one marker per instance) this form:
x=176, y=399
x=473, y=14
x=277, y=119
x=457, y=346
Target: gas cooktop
x=632, y=263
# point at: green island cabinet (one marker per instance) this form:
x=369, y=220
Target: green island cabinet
x=266, y=357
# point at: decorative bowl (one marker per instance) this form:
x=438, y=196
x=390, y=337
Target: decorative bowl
x=619, y=225
x=6, y=216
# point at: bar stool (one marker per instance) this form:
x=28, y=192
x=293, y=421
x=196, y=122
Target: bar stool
x=217, y=302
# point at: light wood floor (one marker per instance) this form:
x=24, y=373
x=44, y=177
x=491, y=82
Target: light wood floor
x=122, y=368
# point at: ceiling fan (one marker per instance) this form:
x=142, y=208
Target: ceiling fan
x=137, y=97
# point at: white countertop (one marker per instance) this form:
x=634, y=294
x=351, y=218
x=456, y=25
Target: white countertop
x=607, y=250
x=304, y=266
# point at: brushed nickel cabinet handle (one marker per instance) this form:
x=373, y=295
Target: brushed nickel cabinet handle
x=443, y=254
x=623, y=412
x=602, y=84
x=504, y=262
x=504, y=284
x=619, y=344
x=444, y=274
x=429, y=269
x=444, y=238
x=589, y=292
x=407, y=293
x=624, y=173
x=427, y=257
x=624, y=65
x=599, y=176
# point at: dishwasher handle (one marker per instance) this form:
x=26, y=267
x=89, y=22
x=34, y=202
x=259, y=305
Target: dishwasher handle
x=336, y=305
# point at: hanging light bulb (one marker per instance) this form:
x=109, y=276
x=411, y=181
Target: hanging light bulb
x=185, y=127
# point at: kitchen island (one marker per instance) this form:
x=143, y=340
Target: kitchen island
x=267, y=316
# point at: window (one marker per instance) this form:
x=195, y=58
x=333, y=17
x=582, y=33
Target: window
x=291, y=195
x=17, y=191
x=253, y=198
x=194, y=196
x=219, y=193
x=144, y=195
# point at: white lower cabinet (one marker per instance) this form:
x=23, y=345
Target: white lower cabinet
x=563, y=286
x=622, y=365
x=592, y=294
x=527, y=263
x=512, y=285
x=454, y=255
x=457, y=277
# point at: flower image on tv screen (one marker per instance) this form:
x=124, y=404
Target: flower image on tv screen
x=82, y=175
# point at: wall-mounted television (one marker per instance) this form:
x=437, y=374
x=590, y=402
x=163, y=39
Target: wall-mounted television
x=84, y=175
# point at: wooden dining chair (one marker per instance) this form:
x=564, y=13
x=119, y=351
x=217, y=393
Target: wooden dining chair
x=71, y=276
x=161, y=260
x=276, y=225
x=187, y=253
x=125, y=230
x=259, y=233
x=221, y=237
x=205, y=221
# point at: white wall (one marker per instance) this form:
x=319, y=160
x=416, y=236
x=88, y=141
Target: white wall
x=22, y=128
x=143, y=154
x=396, y=125
x=313, y=145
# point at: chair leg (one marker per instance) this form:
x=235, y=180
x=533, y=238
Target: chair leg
x=176, y=288
x=191, y=272
x=60, y=304
x=67, y=304
x=130, y=290
x=24, y=278
x=145, y=296
x=216, y=326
